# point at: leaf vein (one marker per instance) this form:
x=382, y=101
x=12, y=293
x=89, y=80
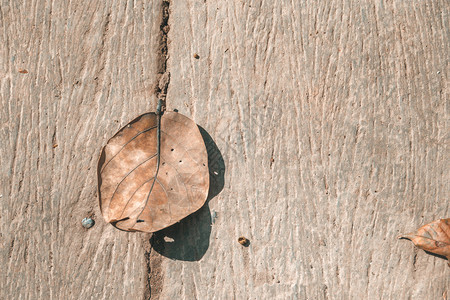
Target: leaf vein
x=124, y=145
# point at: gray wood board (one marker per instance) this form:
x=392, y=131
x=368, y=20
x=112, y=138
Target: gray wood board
x=327, y=133
x=92, y=67
x=350, y=101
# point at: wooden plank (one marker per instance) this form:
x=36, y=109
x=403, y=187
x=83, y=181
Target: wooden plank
x=92, y=66
x=326, y=132
x=331, y=118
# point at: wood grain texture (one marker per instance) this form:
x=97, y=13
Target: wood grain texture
x=331, y=117
x=351, y=101
x=92, y=67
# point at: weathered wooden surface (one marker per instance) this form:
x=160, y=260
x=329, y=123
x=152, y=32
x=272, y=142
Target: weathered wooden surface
x=91, y=67
x=331, y=119
x=350, y=101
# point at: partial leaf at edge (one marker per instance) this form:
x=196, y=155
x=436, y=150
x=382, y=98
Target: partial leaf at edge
x=433, y=237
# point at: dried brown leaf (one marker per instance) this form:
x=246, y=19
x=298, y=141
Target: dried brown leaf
x=132, y=198
x=433, y=237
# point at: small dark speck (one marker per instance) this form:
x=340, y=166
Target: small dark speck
x=244, y=241
x=196, y=56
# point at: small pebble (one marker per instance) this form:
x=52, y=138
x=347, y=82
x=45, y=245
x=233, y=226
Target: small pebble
x=214, y=216
x=87, y=223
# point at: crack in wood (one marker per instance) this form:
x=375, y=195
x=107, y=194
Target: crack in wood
x=163, y=77
x=155, y=277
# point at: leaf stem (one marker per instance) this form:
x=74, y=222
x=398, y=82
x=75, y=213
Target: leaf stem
x=159, y=112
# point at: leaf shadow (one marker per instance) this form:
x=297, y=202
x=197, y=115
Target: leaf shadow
x=436, y=255
x=188, y=240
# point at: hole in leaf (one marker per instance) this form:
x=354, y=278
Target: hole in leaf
x=114, y=222
x=168, y=239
